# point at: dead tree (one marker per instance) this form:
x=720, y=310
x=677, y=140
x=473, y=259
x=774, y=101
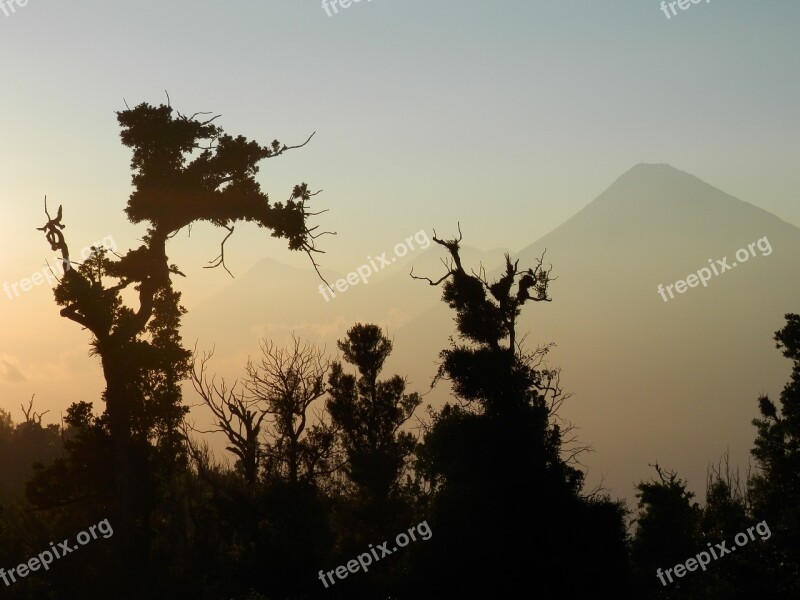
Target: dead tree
x=266, y=418
x=235, y=416
x=286, y=382
x=32, y=417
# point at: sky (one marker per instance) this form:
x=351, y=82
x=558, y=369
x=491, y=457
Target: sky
x=506, y=117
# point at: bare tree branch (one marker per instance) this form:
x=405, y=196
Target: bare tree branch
x=220, y=260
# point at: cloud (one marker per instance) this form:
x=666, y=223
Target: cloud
x=10, y=369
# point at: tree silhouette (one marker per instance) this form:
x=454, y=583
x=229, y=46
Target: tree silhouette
x=22, y=446
x=267, y=420
x=287, y=382
x=668, y=532
x=185, y=170
x=726, y=513
x=507, y=509
x=235, y=416
x=369, y=414
x=775, y=487
x=285, y=453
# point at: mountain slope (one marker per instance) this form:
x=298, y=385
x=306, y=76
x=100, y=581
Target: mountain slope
x=673, y=381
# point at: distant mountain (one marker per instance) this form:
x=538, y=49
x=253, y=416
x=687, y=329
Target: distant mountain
x=672, y=381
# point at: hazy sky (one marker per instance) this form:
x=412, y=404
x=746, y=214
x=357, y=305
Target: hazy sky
x=509, y=117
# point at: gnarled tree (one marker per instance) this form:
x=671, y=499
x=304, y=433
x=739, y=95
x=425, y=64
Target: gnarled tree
x=186, y=170
x=267, y=418
x=496, y=459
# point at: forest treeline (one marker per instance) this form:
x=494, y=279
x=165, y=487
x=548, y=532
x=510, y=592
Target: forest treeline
x=333, y=457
